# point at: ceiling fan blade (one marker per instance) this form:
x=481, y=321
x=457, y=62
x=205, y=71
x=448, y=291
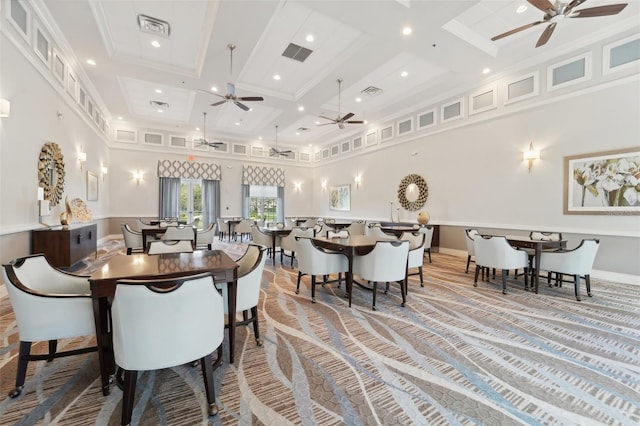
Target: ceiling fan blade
x=590, y=12
x=241, y=106
x=347, y=116
x=251, y=98
x=543, y=5
x=231, y=89
x=355, y=122
x=327, y=118
x=327, y=124
x=210, y=93
x=218, y=103
x=546, y=34
x=575, y=3
x=515, y=30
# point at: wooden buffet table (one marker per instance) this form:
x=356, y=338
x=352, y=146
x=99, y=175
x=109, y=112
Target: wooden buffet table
x=65, y=246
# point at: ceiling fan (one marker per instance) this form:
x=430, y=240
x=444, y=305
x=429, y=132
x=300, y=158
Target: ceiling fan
x=554, y=13
x=340, y=121
x=231, y=89
x=203, y=140
x=275, y=151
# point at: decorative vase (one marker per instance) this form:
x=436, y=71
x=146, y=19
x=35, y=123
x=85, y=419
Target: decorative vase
x=423, y=218
x=66, y=216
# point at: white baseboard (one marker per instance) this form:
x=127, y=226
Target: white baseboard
x=596, y=273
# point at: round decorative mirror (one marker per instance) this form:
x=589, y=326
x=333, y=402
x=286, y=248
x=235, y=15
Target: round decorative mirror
x=413, y=192
x=51, y=172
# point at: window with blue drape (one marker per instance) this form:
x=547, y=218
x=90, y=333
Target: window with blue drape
x=246, y=200
x=211, y=202
x=169, y=197
x=280, y=208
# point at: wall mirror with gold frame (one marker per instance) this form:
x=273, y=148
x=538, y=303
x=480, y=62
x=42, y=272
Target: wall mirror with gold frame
x=413, y=192
x=51, y=172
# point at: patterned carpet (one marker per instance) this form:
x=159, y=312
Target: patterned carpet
x=454, y=355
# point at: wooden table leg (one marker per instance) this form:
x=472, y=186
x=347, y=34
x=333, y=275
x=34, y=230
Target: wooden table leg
x=350, y=278
x=273, y=248
x=536, y=271
x=103, y=342
x=232, y=291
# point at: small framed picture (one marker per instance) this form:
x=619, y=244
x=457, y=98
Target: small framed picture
x=92, y=186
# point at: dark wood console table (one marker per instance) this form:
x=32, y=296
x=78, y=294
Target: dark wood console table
x=64, y=247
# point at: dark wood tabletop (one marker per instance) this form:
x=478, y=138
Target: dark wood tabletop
x=142, y=266
x=275, y=233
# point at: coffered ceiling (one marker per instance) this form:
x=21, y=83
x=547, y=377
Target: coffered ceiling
x=358, y=41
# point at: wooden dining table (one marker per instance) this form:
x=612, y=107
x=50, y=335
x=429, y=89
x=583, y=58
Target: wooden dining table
x=158, y=230
x=520, y=241
x=142, y=266
x=398, y=230
x=354, y=245
x=275, y=233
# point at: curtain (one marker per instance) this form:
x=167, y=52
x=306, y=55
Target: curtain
x=246, y=200
x=210, y=202
x=280, y=208
x=169, y=197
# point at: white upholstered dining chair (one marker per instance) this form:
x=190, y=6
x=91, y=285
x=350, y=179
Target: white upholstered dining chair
x=132, y=239
x=416, y=254
x=205, y=237
x=169, y=246
x=315, y=261
x=496, y=252
x=289, y=245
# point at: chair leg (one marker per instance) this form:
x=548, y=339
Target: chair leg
x=256, y=327
x=468, y=262
x=130, y=378
x=386, y=287
x=298, y=285
x=293, y=256
x=339, y=279
x=313, y=289
x=421, y=277
x=403, y=289
x=475, y=278
x=25, y=349
x=587, y=281
x=53, y=347
x=504, y=281
x=429, y=251
x=375, y=291
x=576, y=284
x=207, y=375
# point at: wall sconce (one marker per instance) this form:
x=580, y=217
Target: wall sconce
x=358, y=180
x=530, y=155
x=137, y=176
x=82, y=157
x=5, y=107
x=297, y=186
x=323, y=184
x=104, y=171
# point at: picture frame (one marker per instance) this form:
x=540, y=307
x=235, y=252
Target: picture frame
x=602, y=183
x=340, y=198
x=92, y=186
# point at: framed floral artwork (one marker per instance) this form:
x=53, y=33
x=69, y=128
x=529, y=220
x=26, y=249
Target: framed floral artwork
x=340, y=198
x=92, y=186
x=603, y=183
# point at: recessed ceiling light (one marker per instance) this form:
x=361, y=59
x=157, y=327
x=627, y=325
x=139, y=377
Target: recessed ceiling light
x=404, y=74
x=310, y=38
x=259, y=138
x=300, y=108
x=521, y=8
x=358, y=99
x=276, y=76
x=91, y=62
x=407, y=31
x=486, y=70
x=310, y=145
x=237, y=123
x=160, y=110
x=214, y=89
x=155, y=43
x=158, y=90
x=197, y=129
x=317, y=122
x=297, y=133
x=119, y=117
x=250, y=109
x=366, y=122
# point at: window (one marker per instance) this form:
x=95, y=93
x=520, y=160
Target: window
x=191, y=201
x=263, y=203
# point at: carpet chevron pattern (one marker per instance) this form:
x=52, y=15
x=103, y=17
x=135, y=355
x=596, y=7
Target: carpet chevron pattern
x=454, y=355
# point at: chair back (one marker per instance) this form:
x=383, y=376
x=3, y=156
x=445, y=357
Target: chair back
x=356, y=228
x=142, y=225
x=250, y=268
x=176, y=321
x=377, y=232
x=496, y=252
x=48, y=304
x=288, y=242
x=290, y=222
x=343, y=233
x=545, y=236
x=578, y=261
x=260, y=237
x=168, y=221
x=428, y=235
x=222, y=226
x=170, y=246
x=176, y=233
x=132, y=239
x=315, y=261
x=470, y=235
x=309, y=223
x=385, y=263
x=206, y=236
x=244, y=226
x=416, y=248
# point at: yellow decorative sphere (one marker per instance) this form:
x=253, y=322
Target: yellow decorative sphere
x=423, y=218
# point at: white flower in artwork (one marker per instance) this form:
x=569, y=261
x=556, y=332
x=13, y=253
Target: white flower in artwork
x=631, y=196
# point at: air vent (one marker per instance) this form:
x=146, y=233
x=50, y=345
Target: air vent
x=303, y=129
x=158, y=104
x=372, y=91
x=298, y=53
x=154, y=26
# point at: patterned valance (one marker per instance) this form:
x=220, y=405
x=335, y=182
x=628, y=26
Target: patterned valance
x=266, y=176
x=189, y=170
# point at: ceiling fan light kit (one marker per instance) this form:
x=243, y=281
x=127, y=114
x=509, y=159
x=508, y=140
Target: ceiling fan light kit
x=340, y=121
x=561, y=10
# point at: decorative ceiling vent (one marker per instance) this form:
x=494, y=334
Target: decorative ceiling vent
x=298, y=53
x=158, y=104
x=372, y=91
x=154, y=26
x=303, y=129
